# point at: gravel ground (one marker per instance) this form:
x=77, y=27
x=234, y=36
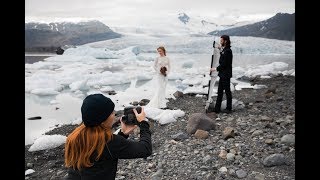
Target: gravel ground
x=262, y=147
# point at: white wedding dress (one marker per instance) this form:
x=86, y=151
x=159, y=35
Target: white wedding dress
x=159, y=98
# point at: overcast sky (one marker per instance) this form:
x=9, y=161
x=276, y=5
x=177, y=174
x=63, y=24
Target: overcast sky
x=121, y=11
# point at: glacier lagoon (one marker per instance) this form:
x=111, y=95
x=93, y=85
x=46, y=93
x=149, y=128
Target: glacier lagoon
x=56, y=86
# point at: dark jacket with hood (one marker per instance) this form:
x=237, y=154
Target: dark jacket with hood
x=117, y=148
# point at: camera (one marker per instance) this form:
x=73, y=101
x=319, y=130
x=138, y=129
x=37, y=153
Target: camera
x=129, y=117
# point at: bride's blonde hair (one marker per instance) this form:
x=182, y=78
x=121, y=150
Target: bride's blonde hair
x=163, y=49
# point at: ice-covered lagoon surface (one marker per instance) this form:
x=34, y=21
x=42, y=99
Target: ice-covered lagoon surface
x=55, y=87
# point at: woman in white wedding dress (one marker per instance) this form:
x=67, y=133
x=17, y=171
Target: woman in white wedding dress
x=162, y=68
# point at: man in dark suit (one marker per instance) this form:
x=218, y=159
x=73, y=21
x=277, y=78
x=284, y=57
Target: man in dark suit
x=225, y=73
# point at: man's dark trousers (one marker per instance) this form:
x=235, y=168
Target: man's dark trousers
x=224, y=84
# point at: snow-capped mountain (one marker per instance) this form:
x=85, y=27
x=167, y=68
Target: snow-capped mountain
x=179, y=24
x=197, y=24
x=54, y=34
x=281, y=26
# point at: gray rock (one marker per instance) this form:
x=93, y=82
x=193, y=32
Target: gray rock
x=259, y=176
x=29, y=165
x=199, y=121
x=238, y=157
x=257, y=133
x=229, y=119
x=259, y=100
x=271, y=89
x=274, y=160
x=233, y=151
x=256, y=176
x=223, y=170
x=288, y=139
x=223, y=154
x=59, y=172
x=269, y=141
x=212, y=115
x=179, y=136
x=209, y=176
x=280, y=98
x=232, y=172
x=230, y=157
x=241, y=173
x=209, y=147
x=268, y=95
x=279, y=121
x=144, y=102
x=283, y=132
x=178, y=94
x=135, y=103
x=121, y=177
x=265, y=118
x=289, y=117
x=157, y=175
x=204, y=168
x=207, y=159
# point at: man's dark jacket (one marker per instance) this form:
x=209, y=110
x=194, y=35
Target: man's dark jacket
x=120, y=148
x=225, y=63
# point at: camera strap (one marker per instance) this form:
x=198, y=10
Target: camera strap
x=109, y=151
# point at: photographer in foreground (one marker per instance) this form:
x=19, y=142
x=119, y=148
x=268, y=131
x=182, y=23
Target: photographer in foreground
x=92, y=150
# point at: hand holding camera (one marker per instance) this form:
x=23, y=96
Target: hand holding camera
x=132, y=117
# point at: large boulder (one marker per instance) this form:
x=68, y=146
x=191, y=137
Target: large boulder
x=199, y=121
x=274, y=160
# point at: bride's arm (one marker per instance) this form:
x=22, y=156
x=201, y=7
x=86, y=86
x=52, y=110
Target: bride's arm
x=155, y=65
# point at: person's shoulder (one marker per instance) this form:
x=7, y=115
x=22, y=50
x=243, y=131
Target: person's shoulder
x=116, y=140
x=116, y=137
x=228, y=50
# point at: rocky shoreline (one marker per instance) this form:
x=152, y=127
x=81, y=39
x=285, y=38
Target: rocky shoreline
x=256, y=142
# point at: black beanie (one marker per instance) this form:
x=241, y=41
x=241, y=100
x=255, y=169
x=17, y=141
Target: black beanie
x=95, y=109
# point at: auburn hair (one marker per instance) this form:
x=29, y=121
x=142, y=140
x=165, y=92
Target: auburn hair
x=163, y=49
x=83, y=142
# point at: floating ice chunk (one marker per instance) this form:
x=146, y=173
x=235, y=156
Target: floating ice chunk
x=44, y=91
x=29, y=171
x=288, y=72
x=47, y=142
x=79, y=85
x=265, y=77
x=77, y=121
x=106, y=89
x=163, y=116
x=272, y=68
x=188, y=64
x=259, y=86
x=194, y=81
x=236, y=104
